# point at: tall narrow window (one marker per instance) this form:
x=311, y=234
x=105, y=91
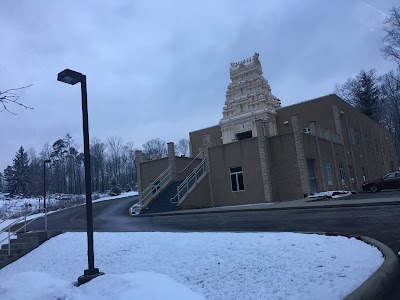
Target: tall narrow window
x=354, y=136
x=237, y=183
x=342, y=174
x=328, y=172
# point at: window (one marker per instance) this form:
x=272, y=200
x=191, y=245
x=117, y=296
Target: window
x=342, y=174
x=237, y=183
x=389, y=176
x=328, y=172
x=354, y=136
x=156, y=186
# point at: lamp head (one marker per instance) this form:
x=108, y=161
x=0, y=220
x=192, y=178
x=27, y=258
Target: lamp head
x=70, y=76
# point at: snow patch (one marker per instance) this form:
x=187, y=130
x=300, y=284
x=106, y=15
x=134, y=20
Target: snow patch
x=218, y=266
x=331, y=194
x=139, y=285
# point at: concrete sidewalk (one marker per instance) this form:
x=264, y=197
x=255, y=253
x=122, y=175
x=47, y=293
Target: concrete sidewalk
x=306, y=203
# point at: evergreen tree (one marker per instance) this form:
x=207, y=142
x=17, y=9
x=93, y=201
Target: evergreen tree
x=9, y=185
x=1, y=182
x=115, y=190
x=363, y=93
x=17, y=176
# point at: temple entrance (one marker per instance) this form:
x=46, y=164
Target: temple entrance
x=244, y=135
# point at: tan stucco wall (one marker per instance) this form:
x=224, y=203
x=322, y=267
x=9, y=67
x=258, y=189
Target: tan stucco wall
x=239, y=154
x=199, y=197
x=286, y=183
x=196, y=141
x=150, y=170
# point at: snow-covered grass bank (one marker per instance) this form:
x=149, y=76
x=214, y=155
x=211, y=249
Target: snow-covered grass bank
x=194, y=266
x=20, y=207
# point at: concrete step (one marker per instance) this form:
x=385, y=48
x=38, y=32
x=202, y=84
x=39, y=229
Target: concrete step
x=17, y=246
x=13, y=251
x=24, y=243
x=3, y=258
x=32, y=240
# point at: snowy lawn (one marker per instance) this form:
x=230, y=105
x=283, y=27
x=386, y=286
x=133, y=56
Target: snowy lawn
x=193, y=266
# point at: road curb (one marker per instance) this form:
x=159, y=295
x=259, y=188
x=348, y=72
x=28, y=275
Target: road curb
x=380, y=283
x=194, y=212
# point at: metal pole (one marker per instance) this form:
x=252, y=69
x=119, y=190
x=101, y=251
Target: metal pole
x=44, y=195
x=44, y=184
x=88, y=180
x=9, y=241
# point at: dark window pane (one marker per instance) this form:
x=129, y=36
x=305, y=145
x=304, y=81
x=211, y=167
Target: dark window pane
x=240, y=180
x=234, y=183
x=237, y=169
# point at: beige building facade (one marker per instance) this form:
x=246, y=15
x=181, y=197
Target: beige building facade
x=262, y=152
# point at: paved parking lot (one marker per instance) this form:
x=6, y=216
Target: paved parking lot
x=379, y=195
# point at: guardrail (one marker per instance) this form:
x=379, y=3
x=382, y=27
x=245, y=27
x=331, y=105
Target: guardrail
x=188, y=184
x=23, y=227
x=154, y=189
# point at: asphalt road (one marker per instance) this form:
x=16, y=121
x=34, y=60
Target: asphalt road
x=379, y=222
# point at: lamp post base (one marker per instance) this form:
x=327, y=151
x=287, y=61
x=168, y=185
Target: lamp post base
x=88, y=275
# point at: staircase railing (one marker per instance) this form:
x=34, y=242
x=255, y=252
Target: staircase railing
x=191, y=162
x=155, y=188
x=23, y=227
x=189, y=183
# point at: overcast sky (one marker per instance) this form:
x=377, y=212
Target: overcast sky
x=161, y=68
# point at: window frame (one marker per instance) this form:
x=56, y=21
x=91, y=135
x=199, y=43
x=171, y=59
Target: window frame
x=328, y=172
x=236, y=175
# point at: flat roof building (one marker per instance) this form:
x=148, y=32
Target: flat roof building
x=262, y=152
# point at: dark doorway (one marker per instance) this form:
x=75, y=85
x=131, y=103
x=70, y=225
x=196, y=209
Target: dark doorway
x=244, y=135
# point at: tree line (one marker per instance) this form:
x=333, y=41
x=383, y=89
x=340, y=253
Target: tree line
x=113, y=166
x=378, y=97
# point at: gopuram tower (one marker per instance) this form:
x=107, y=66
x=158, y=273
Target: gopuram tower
x=248, y=98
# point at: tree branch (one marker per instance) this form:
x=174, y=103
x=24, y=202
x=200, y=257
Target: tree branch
x=8, y=97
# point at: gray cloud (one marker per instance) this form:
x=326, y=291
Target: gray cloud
x=161, y=68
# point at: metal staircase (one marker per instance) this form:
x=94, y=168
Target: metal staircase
x=191, y=181
x=152, y=191
x=164, y=187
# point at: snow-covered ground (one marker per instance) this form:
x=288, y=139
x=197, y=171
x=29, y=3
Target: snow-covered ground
x=9, y=207
x=18, y=206
x=193, y=266
x=331, y=194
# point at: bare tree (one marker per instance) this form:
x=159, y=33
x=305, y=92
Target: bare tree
x=155, y=147
x=98, y=159
x=115, y=148
x=390, y=88
x=391, y=41
x=182, y=148
x=11, y=96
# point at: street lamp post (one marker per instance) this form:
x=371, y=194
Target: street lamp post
x=44, y=193
x=73, y=77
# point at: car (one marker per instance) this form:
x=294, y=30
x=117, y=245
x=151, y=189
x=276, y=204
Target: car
x=389, y=181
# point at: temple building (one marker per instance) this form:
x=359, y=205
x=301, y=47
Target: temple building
x=262, y=152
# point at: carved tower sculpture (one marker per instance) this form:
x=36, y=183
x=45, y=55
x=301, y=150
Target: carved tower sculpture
x=248, y=98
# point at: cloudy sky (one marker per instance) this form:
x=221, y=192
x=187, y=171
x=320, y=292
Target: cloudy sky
x=161, y=68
